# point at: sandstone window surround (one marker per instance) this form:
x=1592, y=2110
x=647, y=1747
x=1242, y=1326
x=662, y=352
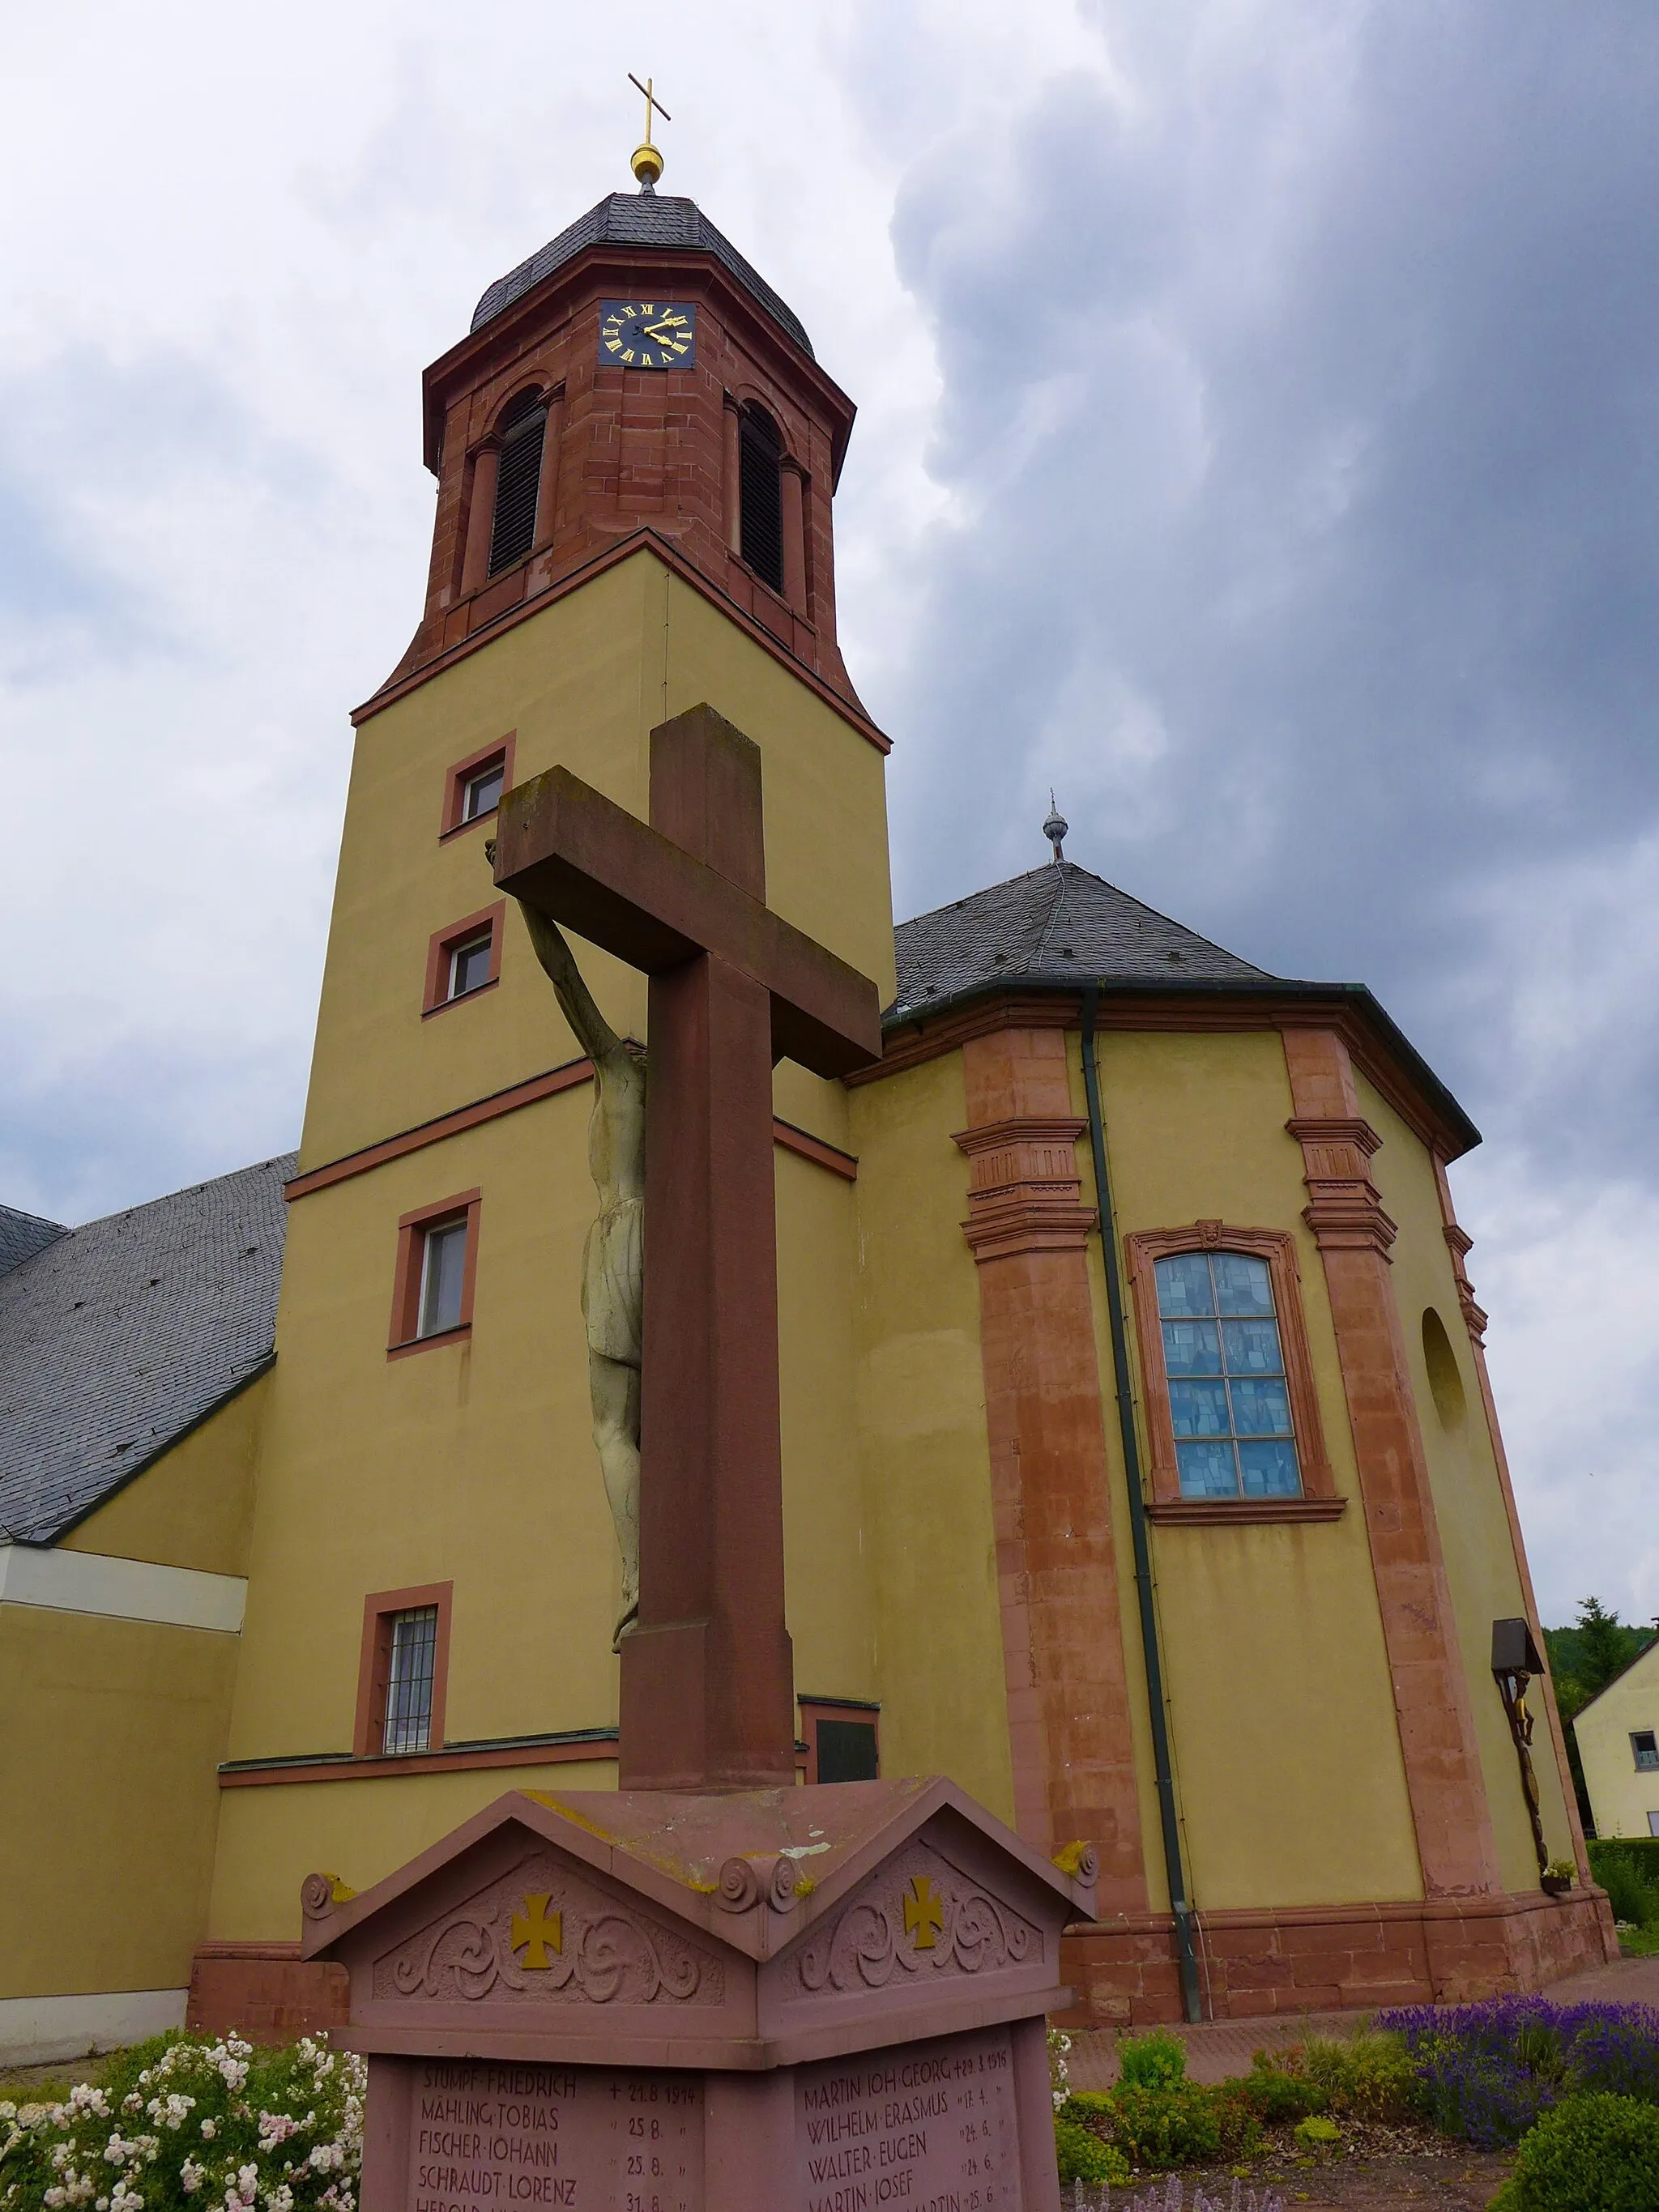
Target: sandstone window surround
x=436, y=1271
x=403, y=1671
x=1318, y=1500
x=464, y=958
x=842, y=1737
x=473, y=786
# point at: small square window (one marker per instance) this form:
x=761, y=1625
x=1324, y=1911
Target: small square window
x=468, y=964
x=1645, y=1745
x=443, y=1271
x=842, y=1740
x=410, y=1671
x=481, y=792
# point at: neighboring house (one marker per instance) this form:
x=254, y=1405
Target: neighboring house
x=126, y=1499
x=1618, y=1736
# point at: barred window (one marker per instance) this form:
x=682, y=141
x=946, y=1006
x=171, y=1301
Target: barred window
x=760, y=495
x=524, y=428
x=1228, y=1401
x=409, y=1679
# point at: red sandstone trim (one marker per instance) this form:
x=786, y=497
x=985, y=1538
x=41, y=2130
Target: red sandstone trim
x=374, y=1663
x=1336, y=1957
x=370, y=1767
x=399, y=687
x=435, y=999
x=460, y=773
x=1224, y=1513
x=1432, y=1694
x=527, y=1093
x=808, y=1148
x=1475, y=1321
x=1144, y=1250
x=530, y=1093
x=266, y=1992
x=413, y=1232
x=929, y=1037
x=1070, y=1741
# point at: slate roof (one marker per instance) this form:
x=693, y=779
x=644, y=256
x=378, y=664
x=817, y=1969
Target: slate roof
x=23, y=1233
x=662, y=223
x=1057, y=925
x=118, y=1338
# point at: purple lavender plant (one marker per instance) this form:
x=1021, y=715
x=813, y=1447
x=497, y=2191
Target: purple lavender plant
x=1492, y=2069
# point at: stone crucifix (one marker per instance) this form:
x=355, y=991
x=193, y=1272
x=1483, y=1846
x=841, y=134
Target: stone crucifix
x=707, y=1673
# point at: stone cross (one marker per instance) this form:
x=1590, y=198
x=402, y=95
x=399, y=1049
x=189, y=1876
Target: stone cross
x=708, y=1692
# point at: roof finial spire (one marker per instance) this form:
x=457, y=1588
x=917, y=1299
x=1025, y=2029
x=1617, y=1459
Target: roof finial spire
x=646, y=160
x=1055, y=827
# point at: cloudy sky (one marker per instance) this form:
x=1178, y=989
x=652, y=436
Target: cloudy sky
x=1259, y=442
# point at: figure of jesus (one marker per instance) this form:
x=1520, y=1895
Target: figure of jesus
x=613, y=1258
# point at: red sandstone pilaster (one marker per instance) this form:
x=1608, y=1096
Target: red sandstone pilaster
x=1444, y=1778
x=1459, y=1242
x=1068, y=1701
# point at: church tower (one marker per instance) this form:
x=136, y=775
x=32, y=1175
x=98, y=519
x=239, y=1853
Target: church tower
x=636, y=453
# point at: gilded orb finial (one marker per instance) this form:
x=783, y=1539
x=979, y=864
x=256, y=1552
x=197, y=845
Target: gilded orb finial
x=646, y=160
x=1055, y=827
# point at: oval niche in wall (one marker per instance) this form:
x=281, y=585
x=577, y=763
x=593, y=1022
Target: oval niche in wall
x=1444, y=1380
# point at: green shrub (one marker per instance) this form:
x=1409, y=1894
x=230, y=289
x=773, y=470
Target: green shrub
x=1590, y=2153
x=1316, y=2132
x=1634, y=1895
x=1366, y=2077
x=1275, y=2093
x=1181, y=2123
x=1151, y=2061
x=1082, y=2156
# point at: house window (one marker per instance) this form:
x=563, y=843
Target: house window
x=842, y=1740
x=468, y=964
x=402, y=1672
x=1232, y=1414
x=523, y=427
x=473, y=786
x=437, y=1262
x=1644, y=1744
x=443, y=1271
x=1653, y=1824
x=465, y=959
x=760, y=495
x=409, y=1679
x=481, y=792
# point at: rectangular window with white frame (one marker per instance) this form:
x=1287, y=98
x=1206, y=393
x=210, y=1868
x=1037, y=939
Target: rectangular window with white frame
x=1644, y=1747
x=434, y=1274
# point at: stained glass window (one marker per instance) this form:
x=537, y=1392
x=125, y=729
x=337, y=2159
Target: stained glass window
x=408, y=1678
x=1228, y=1401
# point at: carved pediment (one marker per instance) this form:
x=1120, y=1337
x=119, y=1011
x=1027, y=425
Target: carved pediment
x=919, y=1920
x=542, y=1934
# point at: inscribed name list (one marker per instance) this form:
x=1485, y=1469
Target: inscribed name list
x=928, y=2127
x=506, y=2138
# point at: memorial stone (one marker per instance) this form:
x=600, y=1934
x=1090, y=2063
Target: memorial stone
x=799, y=2000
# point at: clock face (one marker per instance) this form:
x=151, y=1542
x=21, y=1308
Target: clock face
x=646, y=334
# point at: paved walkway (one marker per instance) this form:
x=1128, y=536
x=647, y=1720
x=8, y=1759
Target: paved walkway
x=1218, y=2048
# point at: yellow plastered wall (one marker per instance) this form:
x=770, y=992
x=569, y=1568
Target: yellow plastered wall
x=582, y=683
x=194, y=1506
x=274, y=1835
x=921, y=1421
x=1287, y=1753
x=473, y=1462
x=114, y=1728
x=1469, y=1498
x=1624, y=1797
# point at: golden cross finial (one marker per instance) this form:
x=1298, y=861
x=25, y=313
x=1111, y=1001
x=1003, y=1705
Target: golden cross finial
x=536, y=1931
x=646, y=161
x=924, y=1912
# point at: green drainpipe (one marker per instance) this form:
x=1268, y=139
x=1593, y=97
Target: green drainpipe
x=1180, y=1904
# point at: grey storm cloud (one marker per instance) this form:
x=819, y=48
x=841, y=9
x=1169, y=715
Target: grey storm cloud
x=1306, y=454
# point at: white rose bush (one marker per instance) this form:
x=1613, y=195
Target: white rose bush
x=187, y=2124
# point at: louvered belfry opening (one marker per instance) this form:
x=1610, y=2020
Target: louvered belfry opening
x=523, y=427
x=760, y=489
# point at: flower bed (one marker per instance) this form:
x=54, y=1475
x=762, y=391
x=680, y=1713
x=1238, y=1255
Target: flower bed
x=183, y=2121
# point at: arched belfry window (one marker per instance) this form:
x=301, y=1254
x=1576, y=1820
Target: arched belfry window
x=522, y=429
x=760, y=489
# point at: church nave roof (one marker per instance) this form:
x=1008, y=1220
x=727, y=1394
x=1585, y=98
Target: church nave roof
x=118, y=1338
